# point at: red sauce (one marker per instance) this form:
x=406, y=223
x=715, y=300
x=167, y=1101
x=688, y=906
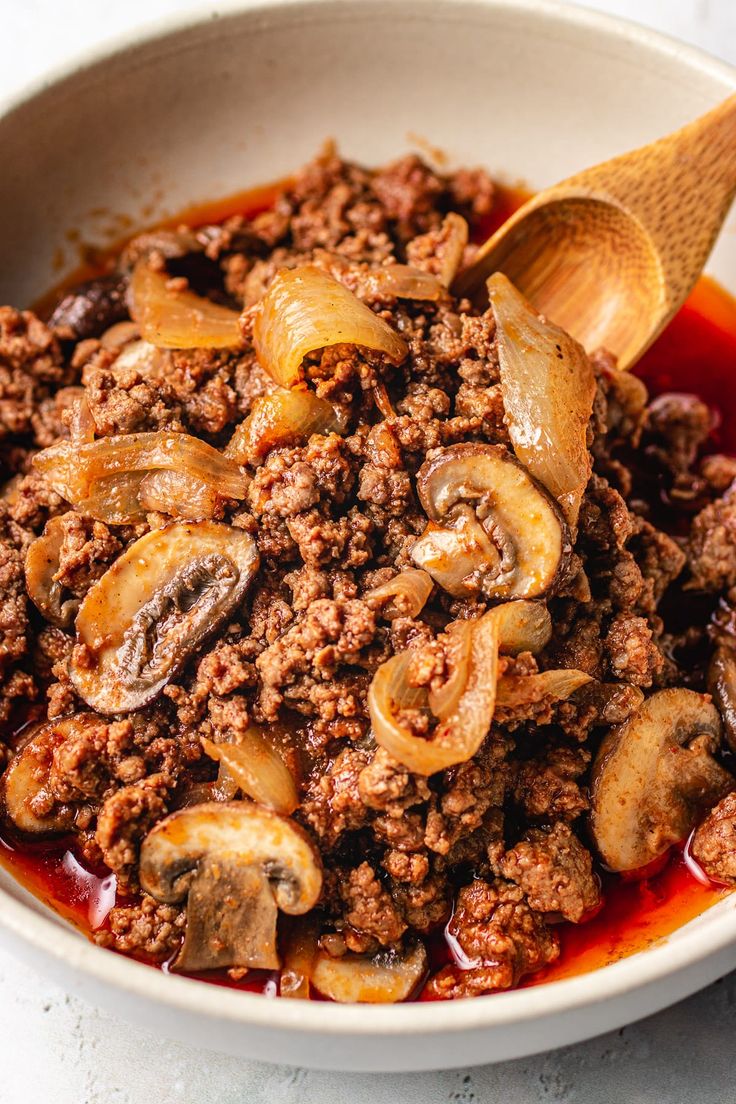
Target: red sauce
x=696, y=353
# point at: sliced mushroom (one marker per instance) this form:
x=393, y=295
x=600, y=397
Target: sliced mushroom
x=654, y=777
x=238, y=864
x=142, y=620
x=25, y=780
x=722, y=686
x=91, y=308
x=492, y=529
x=41, y=568
x=386, y=978
x=231, y=918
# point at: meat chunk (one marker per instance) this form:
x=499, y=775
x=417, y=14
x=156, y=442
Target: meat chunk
x=502, y=938
x=145, y=930
x=714, y=843
x=711, y=548
x=126, y=817
x=369, y=908
x=555, y=872
x=546, y=788
x=328, y=634
x=30, y=361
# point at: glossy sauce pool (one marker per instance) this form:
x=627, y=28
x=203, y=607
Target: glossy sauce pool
x=697, y=353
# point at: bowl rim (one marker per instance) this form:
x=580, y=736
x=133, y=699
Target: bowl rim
x=713, y=931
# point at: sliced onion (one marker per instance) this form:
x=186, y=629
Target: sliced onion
x=455, y=239
x=299, y=944
x=548, y=389
x=455, y=739
x=81, y=423
x=305, y=310
x=513, y=627
x=444, y=701
x=401, y=282
x=522, y=627
x=178, y=494
x=104, y=477
x=387, y=978
x=119, y=335
x=260, y=772
x=515, y=691
x=285, y=417
x=383, y=402
x=114, y=499
x=412, y=587
x=42, y=564
x=172, y=319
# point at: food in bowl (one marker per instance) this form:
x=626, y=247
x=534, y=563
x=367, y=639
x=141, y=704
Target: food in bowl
x=357, y=638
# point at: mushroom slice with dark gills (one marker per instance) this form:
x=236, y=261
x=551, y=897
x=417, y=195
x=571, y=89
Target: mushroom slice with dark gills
x=655, y=776
x=493, y=530
x=25, y=798
x=152, y=609
x=237, y=864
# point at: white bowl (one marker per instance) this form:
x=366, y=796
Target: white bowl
x=202, y=107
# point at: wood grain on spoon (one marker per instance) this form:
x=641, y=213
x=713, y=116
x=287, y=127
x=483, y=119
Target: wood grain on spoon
x=611, y=253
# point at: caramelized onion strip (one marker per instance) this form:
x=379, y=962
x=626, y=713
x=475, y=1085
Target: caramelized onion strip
x=306, y=309
x=515, y=691
x=401, y=281
x=171, y=319
x=548, y=389
x=104, y=477
x=299, y=951
x=258, y=769
x=467, y=710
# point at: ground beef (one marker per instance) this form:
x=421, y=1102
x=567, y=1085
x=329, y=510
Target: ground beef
x=555, y=871
x=496, y=846
x=148, y=929
x=711, y=549
x=30, y=362
x=714, y=843
x=546, y=787
x=126, y=817
x=369, y=908
x=328, y=634
x=501, y=937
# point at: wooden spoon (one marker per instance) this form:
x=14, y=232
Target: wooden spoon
x=612, y=253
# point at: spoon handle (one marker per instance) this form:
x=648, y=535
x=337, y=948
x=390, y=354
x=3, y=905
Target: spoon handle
x=679, y=189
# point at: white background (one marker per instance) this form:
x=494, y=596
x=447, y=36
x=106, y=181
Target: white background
x=56, y=1050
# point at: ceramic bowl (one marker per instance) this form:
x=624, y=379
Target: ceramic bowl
x=196, y=108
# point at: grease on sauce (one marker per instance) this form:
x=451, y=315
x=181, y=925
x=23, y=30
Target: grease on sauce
x=696, y=353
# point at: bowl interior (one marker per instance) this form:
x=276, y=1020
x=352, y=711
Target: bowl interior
x=527, y=89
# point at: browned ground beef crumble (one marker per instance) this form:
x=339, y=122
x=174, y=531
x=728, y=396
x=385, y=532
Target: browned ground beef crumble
x=502, y=838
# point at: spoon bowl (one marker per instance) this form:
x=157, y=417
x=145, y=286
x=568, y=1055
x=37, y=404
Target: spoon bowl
x=612, y=253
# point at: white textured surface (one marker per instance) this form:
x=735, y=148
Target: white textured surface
x=54, y=1048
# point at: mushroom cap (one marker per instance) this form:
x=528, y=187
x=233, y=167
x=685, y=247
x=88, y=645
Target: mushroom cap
x=142, y=620
x=240, y=831
x=386, y=978
x=516, y=544
x=654, y=776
